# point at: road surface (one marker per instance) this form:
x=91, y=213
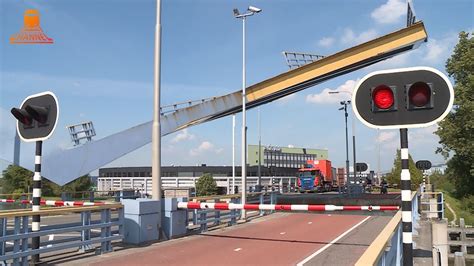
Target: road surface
x=278, y=239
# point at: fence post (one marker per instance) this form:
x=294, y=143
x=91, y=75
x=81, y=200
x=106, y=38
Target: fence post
x=3, y=231
x=462, y=226
x=217, y=215
x=233, y=213
x=105, y=232
x=85, y=233
x=16, y=242
x=262, y=212
x=24, y=240
x=203, y=220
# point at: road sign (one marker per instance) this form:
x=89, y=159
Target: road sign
x=361, y=167
x=37, y=116
x=403, y=98
x=423, y=165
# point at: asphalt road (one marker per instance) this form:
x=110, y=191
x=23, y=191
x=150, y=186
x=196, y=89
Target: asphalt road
x=278, y=239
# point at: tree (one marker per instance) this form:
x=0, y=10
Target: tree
x=17, y=179
x=456, y=131
x=206, y=185
x=394, y=176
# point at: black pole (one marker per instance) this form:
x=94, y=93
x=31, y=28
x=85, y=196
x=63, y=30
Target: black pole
x=35, y=225
x=406, y=200
x=347, y=145
x=354, y=152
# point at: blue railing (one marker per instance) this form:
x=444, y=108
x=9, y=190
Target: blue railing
x=21, y=234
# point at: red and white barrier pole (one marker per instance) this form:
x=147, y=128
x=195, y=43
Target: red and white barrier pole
x=55, y=202
x=282, y=207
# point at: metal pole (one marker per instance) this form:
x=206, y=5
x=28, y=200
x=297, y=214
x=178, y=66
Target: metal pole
x=354, y=145
x=259, y=182
x=347, y=145
x=233, y=154
x=378, y=157
x=156, y=131
x=406, y=200
x=244, y=131
x=35, y=224
x=16, y=149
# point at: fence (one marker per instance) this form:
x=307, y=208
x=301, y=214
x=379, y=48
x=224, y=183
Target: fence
x=15, y=237
x=386, y=249
x=432, y=205
x=461, y=238
x=203, y=219
x=143, y=184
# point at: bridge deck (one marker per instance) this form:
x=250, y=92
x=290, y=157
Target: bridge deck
x=281, y=239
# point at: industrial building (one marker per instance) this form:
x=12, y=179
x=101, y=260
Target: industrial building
x=289, y=157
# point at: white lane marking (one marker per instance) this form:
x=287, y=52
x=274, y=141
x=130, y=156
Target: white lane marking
x=282, y=233
x=237, y=249
x=310, y=222
x=9, y=243
x=332, y=242
x=96, y=230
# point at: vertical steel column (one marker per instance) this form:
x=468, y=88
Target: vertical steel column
x=156, y=127
x=244, y=127
x=406, y=200
x=24, y=240
x=35, y=224
x=3, y=232
x=233, y=154
x=347, y=147
x=16, y=242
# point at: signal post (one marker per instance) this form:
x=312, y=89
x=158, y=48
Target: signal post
x=36, y=121
x=401, y=99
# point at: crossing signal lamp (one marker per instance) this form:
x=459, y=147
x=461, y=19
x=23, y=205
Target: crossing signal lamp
x=37, y=116
x=403, y=98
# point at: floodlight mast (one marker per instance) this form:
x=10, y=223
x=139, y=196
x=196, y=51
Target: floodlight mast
x=251, y=11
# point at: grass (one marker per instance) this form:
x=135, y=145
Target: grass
x=456, y=205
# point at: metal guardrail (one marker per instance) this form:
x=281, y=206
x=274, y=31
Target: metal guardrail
x=429, y=207
x=206, y=218
x=21, y=234
x=386, y=249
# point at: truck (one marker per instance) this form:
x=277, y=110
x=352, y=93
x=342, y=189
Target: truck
x=315, y=176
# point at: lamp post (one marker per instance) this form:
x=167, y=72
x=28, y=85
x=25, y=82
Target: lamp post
x=250, y=12
x=156, y=128
x=353, y=132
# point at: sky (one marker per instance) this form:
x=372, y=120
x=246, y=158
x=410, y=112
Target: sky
x=100, y=66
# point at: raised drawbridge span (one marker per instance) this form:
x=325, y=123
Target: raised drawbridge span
x=66, y=165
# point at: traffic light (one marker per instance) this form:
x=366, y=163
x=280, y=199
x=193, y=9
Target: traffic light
x=37, y=116
x=423, y=165
x=403, y=98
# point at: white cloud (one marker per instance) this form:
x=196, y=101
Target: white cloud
x=182, y=135
x=326, y=41
x=386, y=136
x=325, y=97
x=205, y=146
x=390, y=12
x=350, y=37
x=438, y=51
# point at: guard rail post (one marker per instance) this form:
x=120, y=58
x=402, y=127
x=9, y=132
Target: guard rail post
x=233, y=213
x=24, y=240
x=217, y=215
x=202, y=220
x=3, y=232
x=262, y=212
x=105, y=231
x=86, y=233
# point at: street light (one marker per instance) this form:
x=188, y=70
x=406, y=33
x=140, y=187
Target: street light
x=353, y=135
x=250, y=12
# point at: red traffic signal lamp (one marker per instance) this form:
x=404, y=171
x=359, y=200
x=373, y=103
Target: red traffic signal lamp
x=403, y=98
x=37, y=116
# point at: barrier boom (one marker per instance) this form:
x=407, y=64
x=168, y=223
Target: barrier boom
x=282, y=207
